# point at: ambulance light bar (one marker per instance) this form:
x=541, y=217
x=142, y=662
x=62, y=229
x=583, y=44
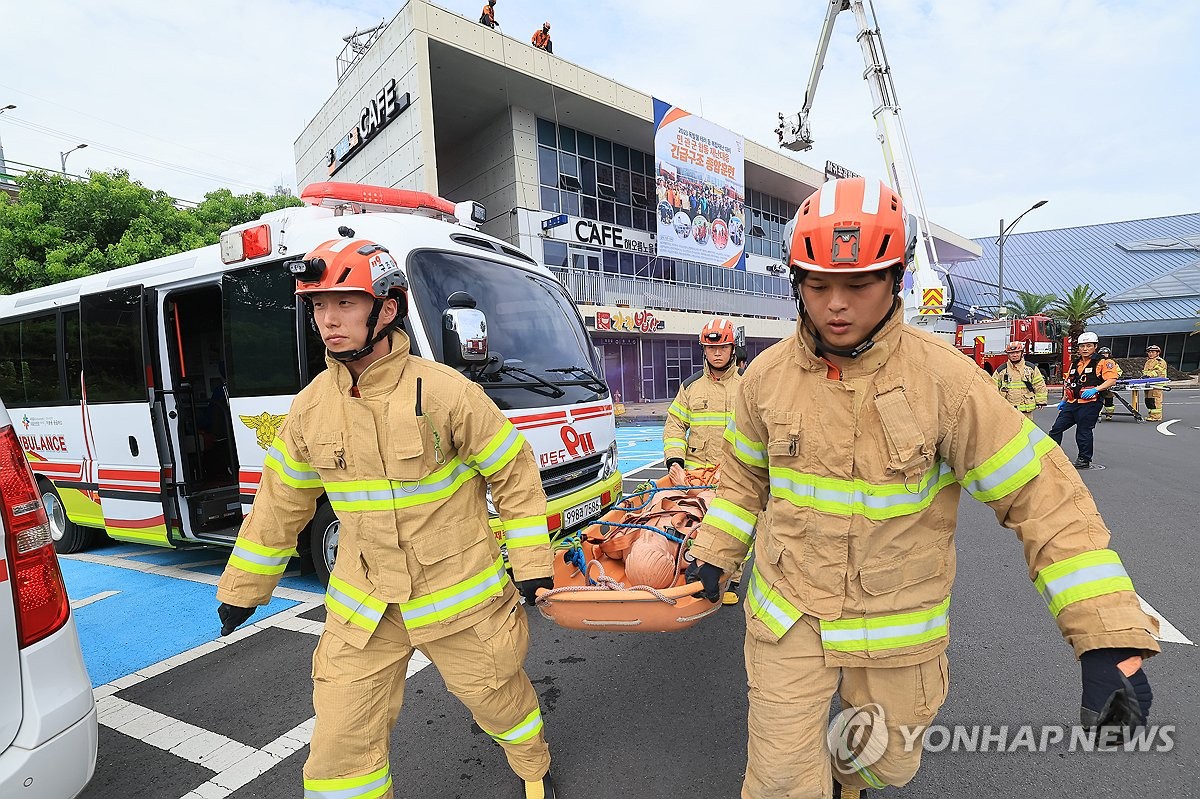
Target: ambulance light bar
x=240, y=245
x=357, y=198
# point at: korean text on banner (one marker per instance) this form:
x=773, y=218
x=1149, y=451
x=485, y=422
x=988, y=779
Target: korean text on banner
x=700, y=180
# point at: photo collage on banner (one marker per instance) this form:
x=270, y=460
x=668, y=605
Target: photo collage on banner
x=700, y=179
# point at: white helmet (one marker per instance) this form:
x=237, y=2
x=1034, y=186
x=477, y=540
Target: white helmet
x=1089, y=338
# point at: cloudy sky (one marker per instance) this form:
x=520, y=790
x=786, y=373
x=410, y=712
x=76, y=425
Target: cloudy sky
x=1093, y=105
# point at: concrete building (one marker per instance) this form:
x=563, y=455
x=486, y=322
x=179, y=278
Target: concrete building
x=1148, y=270
x=435, y=102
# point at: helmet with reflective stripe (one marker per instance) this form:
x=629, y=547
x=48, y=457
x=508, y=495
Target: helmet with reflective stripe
x=1015, y=346
x=1089, y=338
x=1104, y=351
x=850, y=225
x=717, y=332
x=1153, y=348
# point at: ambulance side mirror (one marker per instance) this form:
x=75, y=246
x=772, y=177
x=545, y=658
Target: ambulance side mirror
x=464, y=331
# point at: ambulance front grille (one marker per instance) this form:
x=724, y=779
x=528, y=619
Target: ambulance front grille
x=561, y=480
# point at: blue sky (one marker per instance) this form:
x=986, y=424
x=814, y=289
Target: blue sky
x=1091, y=104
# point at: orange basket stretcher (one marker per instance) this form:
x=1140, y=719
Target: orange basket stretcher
x=590, y=582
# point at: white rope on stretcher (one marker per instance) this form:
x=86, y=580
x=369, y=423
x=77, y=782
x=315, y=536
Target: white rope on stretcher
x=603, y=583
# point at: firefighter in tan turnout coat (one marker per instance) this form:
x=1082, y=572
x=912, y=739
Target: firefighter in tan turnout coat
x=693, y=435
x=403, y=448
x=859, y=433
x=1020, y=383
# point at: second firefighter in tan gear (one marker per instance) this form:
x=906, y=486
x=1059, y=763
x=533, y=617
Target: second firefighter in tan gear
x=1021, y=384
x=693, y=435
x=859, y=433
x=404, y=449
x=1155, y=367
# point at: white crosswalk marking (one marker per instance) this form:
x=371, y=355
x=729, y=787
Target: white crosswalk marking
x=87, y=600
x=1166, y=631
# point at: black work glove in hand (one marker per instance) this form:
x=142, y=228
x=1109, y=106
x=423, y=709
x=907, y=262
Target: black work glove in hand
x=671, y=461
x=232, y=617
x=529, y=588
x=709, y=575
x=1110, y=699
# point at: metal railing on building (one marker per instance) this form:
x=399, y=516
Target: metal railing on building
x=593, y=288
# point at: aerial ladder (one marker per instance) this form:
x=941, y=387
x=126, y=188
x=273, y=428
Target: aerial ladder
x=925, y=296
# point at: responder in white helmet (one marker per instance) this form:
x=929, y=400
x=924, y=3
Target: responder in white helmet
x=1088, y=376
x=404, y=450
x=1021, y=383
x=858, y=434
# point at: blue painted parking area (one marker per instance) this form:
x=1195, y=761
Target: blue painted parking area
x=639, y=446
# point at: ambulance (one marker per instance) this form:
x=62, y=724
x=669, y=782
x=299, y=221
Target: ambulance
x=146, y=397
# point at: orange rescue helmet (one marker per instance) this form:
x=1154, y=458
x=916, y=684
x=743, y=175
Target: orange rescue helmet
x=1015, y=346
x=850, y=225
x=717, y=333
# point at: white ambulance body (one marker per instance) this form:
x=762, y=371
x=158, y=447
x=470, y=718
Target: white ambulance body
x=145, y=397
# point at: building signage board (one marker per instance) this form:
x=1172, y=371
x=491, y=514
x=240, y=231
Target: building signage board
x=700, y=178
x=627, y=320
x=374, y=117
x=577, y=230
x=835, y=171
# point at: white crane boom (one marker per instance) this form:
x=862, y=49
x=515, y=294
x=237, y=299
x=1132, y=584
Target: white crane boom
x=795, y=133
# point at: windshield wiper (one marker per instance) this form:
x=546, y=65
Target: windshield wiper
x=591, y=378
x=496, y=366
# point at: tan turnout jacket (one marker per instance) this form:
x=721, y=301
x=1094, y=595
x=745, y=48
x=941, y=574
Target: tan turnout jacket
x=697, y=418
x=862, y=472
x=408, y=483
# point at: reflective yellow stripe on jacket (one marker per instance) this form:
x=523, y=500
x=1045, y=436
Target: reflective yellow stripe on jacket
x=292, y=472
x=857, y=496
x=1084, y=576
x=368, y=786
x=258, y=559
x=737, y=521
x=745, y=449
x=529, y=726
x=528, y=532
x=1017, y=462
x=456, y=599
x=368, y=495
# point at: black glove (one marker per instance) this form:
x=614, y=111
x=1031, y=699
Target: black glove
x=709, y=575
x=232, y=617
x=672, y=461
x=1110, y=699
x=529, y=588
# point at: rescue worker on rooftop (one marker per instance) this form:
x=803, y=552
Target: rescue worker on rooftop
x=541, y=38
x=1020, y=383
x=403, y=449
x=858, y=434
x=488, y=15
x=696, y=420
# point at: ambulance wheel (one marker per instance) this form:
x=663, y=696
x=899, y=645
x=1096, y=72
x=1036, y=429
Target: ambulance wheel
x=323, y=541
x=68, y=536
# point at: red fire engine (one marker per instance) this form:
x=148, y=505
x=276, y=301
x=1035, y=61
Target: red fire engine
x=984, y=342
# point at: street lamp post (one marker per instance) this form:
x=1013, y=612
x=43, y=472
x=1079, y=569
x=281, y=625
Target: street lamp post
x=63, y=156
x=1004, y=231
x=3, y=166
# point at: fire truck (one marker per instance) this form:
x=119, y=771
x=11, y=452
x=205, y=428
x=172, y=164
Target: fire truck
x=984, y=342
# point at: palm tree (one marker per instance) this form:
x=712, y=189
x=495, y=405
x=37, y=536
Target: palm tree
x=1029, y=303
x=1078, y=306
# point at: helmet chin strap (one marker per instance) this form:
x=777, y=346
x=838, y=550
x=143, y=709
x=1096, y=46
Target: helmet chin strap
x=853, y=352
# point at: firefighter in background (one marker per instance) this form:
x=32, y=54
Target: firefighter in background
x=1106, y=415
x=488, y=15
x=541, y=38
x=740, y=359
x=693, y=435
x=1088, y=376
x=1021, y=383
x=404, y=450
x=1155, y=367
x=858, y=433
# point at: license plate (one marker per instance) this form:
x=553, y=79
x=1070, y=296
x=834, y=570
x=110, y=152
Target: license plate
x=581, y=512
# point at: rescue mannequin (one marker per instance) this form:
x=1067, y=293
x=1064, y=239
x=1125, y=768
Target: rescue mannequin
x=858, y=434
x=1021, y=384
x=403, y=448
x=696, y=421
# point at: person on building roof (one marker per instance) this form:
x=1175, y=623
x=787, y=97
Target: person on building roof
x=488, y=15
x=541, y=38
x=857, y=435
x=1021, y=384
x=405, y=451
x=693, y=436
x=1088, y=376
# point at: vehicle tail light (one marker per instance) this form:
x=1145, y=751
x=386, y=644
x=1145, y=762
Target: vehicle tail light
x=239, y=245
x=41, y=597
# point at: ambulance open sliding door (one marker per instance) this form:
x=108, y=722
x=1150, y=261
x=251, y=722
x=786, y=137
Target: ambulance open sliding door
x=119, y=427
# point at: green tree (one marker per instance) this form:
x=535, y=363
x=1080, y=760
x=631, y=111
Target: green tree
x=1078, y=306
x=59, y=229
x=1029, y=303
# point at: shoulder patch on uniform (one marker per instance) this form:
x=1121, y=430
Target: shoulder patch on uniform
x=692, y=379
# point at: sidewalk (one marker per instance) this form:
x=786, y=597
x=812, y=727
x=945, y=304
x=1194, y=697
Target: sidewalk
x=644, y=412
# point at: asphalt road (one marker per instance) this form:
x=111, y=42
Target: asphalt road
x=187, y=716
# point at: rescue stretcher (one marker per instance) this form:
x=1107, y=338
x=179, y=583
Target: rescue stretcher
x=591, y=588
x=1135, y=386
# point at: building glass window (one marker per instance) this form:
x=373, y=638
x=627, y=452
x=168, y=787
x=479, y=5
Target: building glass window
x=588, y=207
x=612, y=263
x=608, y=212
x=547, y=167
x=550, y=201
x=566, y=139
x=624, y=216
x=546, y=134
x=554, y=253
x=604, y=150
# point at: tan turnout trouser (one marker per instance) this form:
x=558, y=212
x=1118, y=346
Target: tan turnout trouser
x=357, y=694
x=790, y=693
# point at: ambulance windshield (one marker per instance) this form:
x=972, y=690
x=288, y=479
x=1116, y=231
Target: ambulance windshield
x=532, y=325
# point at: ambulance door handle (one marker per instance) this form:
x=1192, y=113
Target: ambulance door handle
x=133, y=446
